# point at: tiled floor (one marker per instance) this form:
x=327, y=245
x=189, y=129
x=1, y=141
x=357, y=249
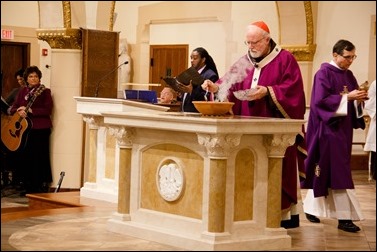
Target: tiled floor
x=85, y=229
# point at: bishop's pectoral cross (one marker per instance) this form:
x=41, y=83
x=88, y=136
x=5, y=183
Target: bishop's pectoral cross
x=345, y=90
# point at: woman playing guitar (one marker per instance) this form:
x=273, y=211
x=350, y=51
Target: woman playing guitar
x=33, y=105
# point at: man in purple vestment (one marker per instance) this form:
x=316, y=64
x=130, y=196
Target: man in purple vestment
x=267, y=82
x=335, y=110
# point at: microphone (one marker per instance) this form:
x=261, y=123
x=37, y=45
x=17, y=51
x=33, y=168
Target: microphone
x=104, y=77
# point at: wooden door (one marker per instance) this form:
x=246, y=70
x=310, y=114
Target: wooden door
x=166, y=60
x=14, y=56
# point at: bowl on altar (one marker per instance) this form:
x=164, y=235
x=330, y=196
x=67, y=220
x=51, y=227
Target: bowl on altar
x=213, y=107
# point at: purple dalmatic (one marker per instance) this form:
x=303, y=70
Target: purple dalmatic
x=329, y=136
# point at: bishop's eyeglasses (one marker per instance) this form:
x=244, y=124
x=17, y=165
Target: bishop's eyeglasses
x=250, y=43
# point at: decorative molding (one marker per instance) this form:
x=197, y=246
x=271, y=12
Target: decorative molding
x=170, y=180
x=63, y=38
x=277, y=144
x=219, y=145
x=112, y=14
x=309, y=23
x=94, y=122
x=123, y=135
x=304, y=52
x=67, y=14
x=301, y=53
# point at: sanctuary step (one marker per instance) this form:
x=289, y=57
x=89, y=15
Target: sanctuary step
x=54, y=200
x=40, y=204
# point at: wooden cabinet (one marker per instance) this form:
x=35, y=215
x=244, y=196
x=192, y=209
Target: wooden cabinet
x=100, y=61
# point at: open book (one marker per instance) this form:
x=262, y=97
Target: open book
x=185, y=81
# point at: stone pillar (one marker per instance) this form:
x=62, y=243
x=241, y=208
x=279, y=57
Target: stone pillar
x=124, y=137
x=218, y=148
x=93, y=123
x=217, y=189
x=276, y=146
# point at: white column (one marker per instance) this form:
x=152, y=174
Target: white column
x=67, y=132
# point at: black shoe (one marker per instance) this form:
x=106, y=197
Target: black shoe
x=312, y=218
x=348, y=227
x=292, y=223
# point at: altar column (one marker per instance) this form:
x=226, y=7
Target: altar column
x=218, y=147
x=216, y=204
x=93, y=124
x=124, y=137
x=276, y=146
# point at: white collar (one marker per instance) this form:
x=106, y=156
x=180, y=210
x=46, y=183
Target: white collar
x=201, y=69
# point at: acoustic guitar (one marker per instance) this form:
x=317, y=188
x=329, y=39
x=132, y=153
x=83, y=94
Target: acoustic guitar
x=14, y=132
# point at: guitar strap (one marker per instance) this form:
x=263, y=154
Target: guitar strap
x=33, y=94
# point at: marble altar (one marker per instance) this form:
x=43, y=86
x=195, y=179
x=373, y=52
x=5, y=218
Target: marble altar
x=101, y=174
x=201, y=182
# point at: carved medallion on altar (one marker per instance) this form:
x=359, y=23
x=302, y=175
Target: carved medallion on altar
x=170, y=180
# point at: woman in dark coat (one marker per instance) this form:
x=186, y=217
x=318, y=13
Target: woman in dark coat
x=35, y=163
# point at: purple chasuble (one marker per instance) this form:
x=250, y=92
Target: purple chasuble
x=329, y=137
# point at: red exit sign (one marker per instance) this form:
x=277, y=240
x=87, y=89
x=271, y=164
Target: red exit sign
x=7, y=34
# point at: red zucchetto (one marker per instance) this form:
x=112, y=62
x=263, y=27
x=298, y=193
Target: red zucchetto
x=261, y=25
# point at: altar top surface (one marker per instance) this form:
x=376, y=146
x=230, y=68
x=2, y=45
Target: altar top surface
x=198, y=123
x=94, y=105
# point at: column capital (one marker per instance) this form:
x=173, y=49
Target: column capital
x=63, y=38
x=123, y=135
x=219, y=145
x=277, y=144
x=94, y=122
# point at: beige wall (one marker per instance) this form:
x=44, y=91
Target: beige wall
x=346, y=20
x=142, y=24
x=335, y=20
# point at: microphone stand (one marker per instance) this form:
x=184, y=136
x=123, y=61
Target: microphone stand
x=104, y=77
